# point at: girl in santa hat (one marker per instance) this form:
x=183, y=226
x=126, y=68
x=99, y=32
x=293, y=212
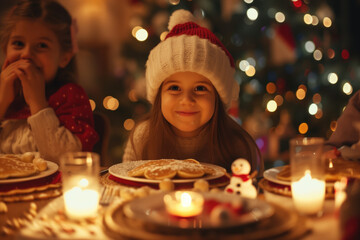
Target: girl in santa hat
x=190, y=82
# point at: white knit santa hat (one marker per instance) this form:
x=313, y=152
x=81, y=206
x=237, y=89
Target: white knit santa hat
x=189, y=47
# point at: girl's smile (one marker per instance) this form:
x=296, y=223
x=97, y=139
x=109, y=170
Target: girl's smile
x=187, y=102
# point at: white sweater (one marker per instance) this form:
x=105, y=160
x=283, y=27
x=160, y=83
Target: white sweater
x=40, y=132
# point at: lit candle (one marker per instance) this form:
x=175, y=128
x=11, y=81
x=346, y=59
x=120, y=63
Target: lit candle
x=184, y=204
x=80, y=184
x=308, y=194
x=81, y=203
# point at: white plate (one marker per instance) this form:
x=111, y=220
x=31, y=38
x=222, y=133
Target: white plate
x=270, y=175
x=120, y=170
x=151, y=209
x=51, y=168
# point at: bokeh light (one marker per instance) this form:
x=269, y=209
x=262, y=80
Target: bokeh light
x=303, y=128
x=92, y=104
x=129, y=124
x=252, y=14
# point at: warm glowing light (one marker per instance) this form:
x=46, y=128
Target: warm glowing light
x=105, y=101
x=308, y=19
x=112, y=104
x=271, y=106
x=252, y=14
x=83, y=183
x=271, y=87
x=332, y=78
x=250, y=71
x=243, y=65
x=302, y=86
x=310, y=46
x=316, y=98
x=134, y=30
x=141, y=35
x=280, y=17
x=333, y=125
x=347, y=88
x=174, y=2
x=80, y=203
x=248, y=1
x=308, y=194
x=303, y=128
x=184, y=204
x=92, y=104
x=279, y=100
x=331, y=53
x=313, y=108
x=319, y=114
x=129, y=124
x=317, y=55
x=163, y=35
x=132, y=95
x=327, y=22
x=300, y=94
x=315, y=20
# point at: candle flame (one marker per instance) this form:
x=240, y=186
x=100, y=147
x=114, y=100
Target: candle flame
x=331, y=165
x=307, y=176
x=83, y=183
x=185, y=199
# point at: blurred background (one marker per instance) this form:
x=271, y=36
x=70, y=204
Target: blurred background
x=297, y=61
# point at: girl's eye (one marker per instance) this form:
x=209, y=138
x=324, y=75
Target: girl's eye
x=42, y=45
x=174, y=88
x=201, y=88
x=17, y=44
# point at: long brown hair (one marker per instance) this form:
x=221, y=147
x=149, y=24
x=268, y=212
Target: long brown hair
x=227, y=139
x=58, y=19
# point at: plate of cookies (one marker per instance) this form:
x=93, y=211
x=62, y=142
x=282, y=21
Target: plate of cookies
x=154, y=171
x=24, y=167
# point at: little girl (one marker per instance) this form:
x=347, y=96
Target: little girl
x=41, y=109
x=189, y=81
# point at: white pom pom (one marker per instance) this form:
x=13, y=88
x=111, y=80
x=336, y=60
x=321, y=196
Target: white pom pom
x=180, y=16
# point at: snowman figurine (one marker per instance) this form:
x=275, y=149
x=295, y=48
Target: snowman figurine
x=241, y=182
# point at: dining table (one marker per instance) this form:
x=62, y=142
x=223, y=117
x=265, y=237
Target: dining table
x=20, y=213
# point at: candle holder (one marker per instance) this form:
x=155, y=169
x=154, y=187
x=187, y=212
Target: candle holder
x=184, y=203
x=307, y=175
x=80, y=181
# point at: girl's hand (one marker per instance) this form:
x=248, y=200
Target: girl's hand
x=33, y=84
x=8, y=77
x=9, y=85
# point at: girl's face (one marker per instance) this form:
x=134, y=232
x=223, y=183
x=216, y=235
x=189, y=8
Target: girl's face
x=187, y=102
x=35, y=41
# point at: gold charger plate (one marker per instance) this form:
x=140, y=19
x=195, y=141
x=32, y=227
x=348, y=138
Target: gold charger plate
x=283, y=224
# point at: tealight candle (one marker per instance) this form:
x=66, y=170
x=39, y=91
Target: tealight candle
x=308, y=194
x=184, y=203
x=80, y=184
